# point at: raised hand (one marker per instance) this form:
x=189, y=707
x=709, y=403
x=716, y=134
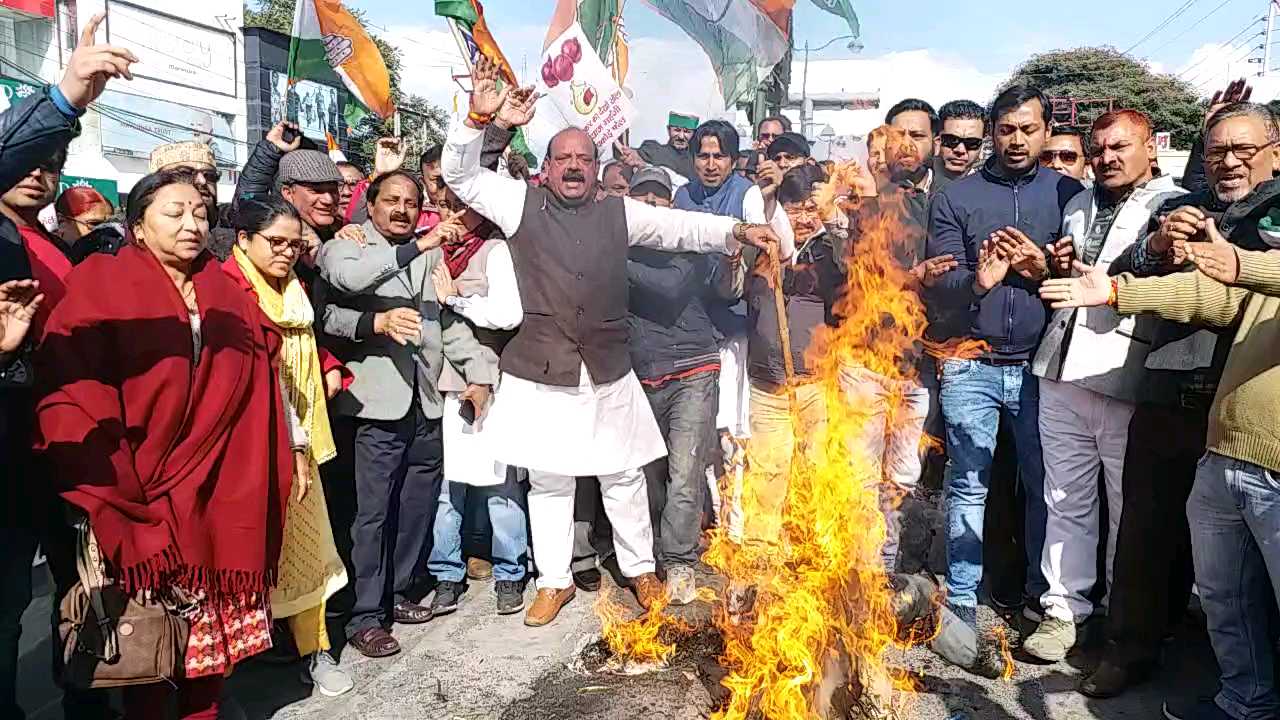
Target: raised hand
x=1216, y=258
x=276, y=134
x=517, y=109
x=486, y=98
x=1236, y=91
x=388, y=155
x=992, y=267
x=91, y=65
x=19, y=301
x=1091, y=289
x=1024, y=256
x=627, y=155
x=928, y=271
x=449, y=229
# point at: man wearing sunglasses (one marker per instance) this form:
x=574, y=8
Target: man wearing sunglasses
x=197, y=157
x=1067, y=152
x=964, y=125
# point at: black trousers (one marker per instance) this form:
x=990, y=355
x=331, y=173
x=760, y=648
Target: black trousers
x=1153, y=572
x=398, y=472
x=338, y=478
x=1004, y=559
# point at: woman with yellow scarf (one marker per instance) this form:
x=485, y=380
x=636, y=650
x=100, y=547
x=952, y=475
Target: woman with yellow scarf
x=269, y=242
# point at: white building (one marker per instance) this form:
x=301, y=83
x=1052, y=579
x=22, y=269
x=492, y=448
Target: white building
x=189, y=83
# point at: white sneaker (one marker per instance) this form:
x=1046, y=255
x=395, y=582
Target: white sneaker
x=329, y=679
x=682, y=589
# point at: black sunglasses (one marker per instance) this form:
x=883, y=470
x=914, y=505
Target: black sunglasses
x=1068, y=156
x=972, y=144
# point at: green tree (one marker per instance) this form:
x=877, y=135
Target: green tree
x=420, y=122
x=1093, y=73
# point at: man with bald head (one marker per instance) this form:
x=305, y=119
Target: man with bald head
x=569, y=403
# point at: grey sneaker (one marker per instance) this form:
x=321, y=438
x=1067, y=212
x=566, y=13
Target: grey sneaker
x=328, y=678
x=682, y=589
x=1052, y=640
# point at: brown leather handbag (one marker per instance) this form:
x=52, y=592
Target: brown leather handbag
x=110, y=639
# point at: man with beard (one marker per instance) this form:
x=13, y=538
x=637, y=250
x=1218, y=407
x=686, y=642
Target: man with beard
x=1153, y=566
x=964, y=126
x=673, y=154
x=570, y=404
x=920, y=121
x=1090, y=368
x=394, y=400
x=716, y=189
x=993, y=222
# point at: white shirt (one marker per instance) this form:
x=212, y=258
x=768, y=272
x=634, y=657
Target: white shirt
x=500, y=309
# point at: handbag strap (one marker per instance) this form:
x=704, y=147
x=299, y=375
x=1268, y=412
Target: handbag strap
x=93, y=577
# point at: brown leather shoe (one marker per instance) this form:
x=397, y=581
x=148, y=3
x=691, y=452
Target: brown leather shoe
x=374, y=642
x=546, y=605
x=649, y=590
x=479, y=569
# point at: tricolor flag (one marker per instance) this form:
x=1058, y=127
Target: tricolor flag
x=744, y=39
x=468, y=17
x=326, y=38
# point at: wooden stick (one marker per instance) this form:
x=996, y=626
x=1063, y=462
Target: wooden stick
x=784, y=329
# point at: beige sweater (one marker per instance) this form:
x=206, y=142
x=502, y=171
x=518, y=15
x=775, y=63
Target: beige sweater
x=1244, y=422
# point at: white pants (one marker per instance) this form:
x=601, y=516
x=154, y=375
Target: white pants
x=626, y=502
x=1080, y=432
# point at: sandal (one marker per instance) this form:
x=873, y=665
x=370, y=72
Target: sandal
x=374, y=642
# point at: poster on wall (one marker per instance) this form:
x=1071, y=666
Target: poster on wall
x=135, y=125
x=313, y=106
x=175, y=50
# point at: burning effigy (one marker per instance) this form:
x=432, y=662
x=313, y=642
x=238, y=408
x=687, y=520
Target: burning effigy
x=809, y=615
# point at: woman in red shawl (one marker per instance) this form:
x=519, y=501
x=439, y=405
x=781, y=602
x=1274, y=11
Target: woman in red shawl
x=151, y=362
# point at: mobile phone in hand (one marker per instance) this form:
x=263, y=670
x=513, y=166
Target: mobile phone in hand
x=467, y=412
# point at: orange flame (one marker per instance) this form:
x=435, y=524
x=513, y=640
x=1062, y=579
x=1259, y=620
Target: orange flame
x=647, y=640
x=820, y=589
x=1005, y=655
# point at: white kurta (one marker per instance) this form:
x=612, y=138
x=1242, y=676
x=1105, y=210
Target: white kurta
x=735, y=387
x=470, y=450
x=590, y=429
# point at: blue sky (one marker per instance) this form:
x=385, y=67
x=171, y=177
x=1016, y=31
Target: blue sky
x=933, y=49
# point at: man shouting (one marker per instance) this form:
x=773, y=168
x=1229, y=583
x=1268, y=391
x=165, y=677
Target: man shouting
x=569, y=403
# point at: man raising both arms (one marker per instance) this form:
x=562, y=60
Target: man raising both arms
x=569, y=403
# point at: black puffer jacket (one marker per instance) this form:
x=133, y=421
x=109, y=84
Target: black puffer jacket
x=670, y=328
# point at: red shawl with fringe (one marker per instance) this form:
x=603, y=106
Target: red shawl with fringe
x=183, y=468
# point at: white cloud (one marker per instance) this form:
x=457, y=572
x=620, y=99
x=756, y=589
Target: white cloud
x=1213, y=65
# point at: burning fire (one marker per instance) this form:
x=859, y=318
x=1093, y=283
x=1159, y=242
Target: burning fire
x=1005, y=656
x=822, y=614
x=810, y=614
x=639, y=643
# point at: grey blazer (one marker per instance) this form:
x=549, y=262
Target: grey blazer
x=369, y=279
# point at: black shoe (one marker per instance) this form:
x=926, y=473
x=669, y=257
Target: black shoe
x=510, y=596
x=410, y=613
x=1201, y=709
x=447, y=595
x=1110, y=679
x=1033, y=610
x=588, y=580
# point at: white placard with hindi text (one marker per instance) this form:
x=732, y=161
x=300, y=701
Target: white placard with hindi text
x=580, y=91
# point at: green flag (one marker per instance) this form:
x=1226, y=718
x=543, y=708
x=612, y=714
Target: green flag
x=844, y=9
x=597, y=18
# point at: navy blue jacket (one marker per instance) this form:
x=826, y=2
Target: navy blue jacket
x=671, y=330
x=1011, y=317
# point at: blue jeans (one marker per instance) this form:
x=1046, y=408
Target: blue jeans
x=510, y=550
x=974, y=395
x=1234, y=512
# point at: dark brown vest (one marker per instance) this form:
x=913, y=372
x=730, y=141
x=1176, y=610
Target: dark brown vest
x=571, y=266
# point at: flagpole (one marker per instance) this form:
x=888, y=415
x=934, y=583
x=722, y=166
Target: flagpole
x=462, y=46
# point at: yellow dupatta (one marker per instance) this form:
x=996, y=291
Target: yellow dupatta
x=299, y=359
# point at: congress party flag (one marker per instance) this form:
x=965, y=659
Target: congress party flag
x=326, y=37
x=468, y=18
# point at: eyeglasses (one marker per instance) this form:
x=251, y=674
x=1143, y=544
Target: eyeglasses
x=1243, y=153
x=1067, y=156
x=768, y=136
x=279, y=244
x=972, y=144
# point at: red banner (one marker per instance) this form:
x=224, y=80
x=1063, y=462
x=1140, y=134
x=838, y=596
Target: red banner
x=43, y=8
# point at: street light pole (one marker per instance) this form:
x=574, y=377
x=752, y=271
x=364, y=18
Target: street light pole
x=806, y=113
